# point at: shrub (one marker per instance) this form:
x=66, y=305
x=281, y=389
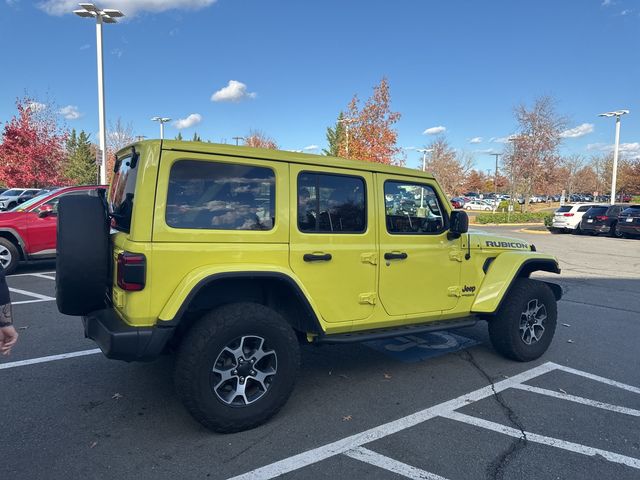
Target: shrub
x=515, y=217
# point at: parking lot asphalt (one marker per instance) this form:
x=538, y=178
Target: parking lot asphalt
x=356, y=411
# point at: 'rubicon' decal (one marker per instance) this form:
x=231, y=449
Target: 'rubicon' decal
x=490, y=243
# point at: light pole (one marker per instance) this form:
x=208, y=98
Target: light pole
x=161, y=121
x=346, y=122
x=495, y=178
x=107, y=15
x=237, y=139
x=424, y=168
x=617, y=114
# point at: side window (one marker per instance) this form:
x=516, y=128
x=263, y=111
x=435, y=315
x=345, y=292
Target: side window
x=331, y=203
x=220, y=196
x=412, y=208
x=54, y=201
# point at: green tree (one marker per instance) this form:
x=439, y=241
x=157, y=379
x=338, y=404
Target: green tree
x=335, y=137
x=196, y=137
x=179, y=136
x=80, y=166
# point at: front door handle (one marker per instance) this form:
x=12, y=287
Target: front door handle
x=316, y=257
x=395, y=256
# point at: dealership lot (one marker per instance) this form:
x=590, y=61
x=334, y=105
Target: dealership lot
x=357, y=411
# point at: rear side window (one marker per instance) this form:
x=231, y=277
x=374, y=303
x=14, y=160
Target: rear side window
x=412, y=209
x=331, y=203
x=220, y=196
x=564, y=208
x=122, y=191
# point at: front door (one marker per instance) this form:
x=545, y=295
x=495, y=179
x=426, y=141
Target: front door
x=332, y=233
x=419, y=265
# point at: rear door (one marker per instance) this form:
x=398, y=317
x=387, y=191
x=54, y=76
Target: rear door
x=333, y=240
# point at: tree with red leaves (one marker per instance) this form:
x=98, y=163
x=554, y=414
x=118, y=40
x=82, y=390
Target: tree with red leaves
x=33, y=147
x=258, y=139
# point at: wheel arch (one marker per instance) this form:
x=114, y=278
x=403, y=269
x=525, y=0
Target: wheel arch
x=504, y=270
x=15, y=238
x=275, y=290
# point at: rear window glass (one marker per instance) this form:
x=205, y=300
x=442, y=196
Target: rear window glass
x=564, y=208
x=635, y=210
x=597, y=210
x=584, y=208
x=123, y=187
x=220, y=196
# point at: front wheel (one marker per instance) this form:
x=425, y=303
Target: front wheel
x=237, y=367
x=9, y=255
x=524, y=326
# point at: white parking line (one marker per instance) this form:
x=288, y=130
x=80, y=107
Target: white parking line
x=549, y=441
x=30, y=274
x=386, y=463
x=352, y=445
x=38, y=297
x=582, y=400
x=50, y=358
x=42, y=275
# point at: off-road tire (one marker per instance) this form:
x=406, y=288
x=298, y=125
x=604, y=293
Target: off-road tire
x=7, y=246
x=82, y=262
x=504, y=327
x=205, y=341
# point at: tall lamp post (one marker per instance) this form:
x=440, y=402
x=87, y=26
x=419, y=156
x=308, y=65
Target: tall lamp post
x=346, y=122
x=107, y=15
x=161, y=121
x=617, y=114
x=424, y=152
x=495, y=180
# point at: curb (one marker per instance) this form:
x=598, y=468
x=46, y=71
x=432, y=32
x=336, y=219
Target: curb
x=537, y=232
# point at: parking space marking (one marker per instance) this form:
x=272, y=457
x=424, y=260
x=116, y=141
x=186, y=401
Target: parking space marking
x=50, y=358
x=391, y=465
x=582, y=400
x=32, y=275
x=38, y=297
x=352, y=445
x=43, y=275
x=550, y=441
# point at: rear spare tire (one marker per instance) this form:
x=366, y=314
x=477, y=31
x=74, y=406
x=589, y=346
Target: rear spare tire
x=82, y=264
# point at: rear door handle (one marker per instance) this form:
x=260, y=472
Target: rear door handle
x=316, y=257
x=395, y=256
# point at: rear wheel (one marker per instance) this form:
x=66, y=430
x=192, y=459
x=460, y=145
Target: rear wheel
x=9, y=255
x=577, y=230
x=524, y=326
x=615, y=231
x=237, y=367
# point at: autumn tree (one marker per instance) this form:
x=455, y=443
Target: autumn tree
x=80, y=164
x=32, y=149
x=369, y=131
x=475, y=181
x=532, y=156
x=258, y=139
x=447, y=166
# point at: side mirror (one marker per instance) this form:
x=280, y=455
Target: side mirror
x=458, y=224
x=46, y=211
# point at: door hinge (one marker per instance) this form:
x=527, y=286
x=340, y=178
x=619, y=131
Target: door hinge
x=456, y=255
x=371, y=258
x=368, y=298
x=454, y=291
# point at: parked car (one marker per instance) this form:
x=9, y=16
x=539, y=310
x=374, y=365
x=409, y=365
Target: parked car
x=11, y=198
x=567, y=218
x=602, y=219
x=629, y=221
x=457, y=202
x=477, y=205
x=28, y=232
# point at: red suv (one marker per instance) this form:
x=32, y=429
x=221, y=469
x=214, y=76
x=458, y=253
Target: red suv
x=28, y=232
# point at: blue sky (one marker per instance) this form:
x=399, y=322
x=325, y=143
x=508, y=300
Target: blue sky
x=461, y=65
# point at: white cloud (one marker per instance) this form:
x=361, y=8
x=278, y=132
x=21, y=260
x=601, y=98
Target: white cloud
x=488, y=151
x=117, y=52
x=311, y=147
x=434, y=130
x=630, y=150
x=233, y=92
x=579, y=131
x=11, y=3
x=37, y=106
x=85, y=46
x=606, y=3
x=475, y=140
x=70, y=112
x=128, y=7
x=499, y=139
x=625, y=12
x=190, y=121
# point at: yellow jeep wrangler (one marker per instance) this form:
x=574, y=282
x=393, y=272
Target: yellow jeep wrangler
x=233, y=256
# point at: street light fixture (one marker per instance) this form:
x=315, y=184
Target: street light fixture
x=161, y=121
x=107, y=15
x=617, y=114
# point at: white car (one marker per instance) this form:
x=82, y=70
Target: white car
x=477, y=205
x=567, y=218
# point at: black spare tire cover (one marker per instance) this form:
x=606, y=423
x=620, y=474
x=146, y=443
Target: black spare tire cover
x=82, y=264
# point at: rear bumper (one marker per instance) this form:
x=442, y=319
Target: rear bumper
x=587, y=227
x=629, y=229
x=120, y=341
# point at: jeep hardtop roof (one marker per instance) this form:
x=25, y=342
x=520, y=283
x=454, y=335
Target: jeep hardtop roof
x=276, y=155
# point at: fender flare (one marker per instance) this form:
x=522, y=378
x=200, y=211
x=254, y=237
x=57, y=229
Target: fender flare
x=504, y=270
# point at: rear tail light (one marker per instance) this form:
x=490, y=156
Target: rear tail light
x=601, y=218
x=568, y=215
x=131, y=271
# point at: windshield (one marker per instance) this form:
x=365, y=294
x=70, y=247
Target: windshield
x=25, y=206
x=121, y=195
x=14, y=192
